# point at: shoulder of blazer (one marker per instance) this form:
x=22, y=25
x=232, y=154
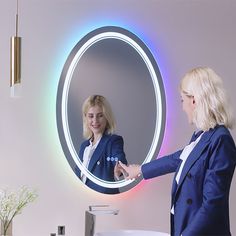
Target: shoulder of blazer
x=84, y=144
x=111, y=137
x=104, y=140
x=82, y=147
x=217, y=132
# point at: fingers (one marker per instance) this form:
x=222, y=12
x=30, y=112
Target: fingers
x=129, y=172
x=133, y=171
x=117, y=172
x=123, y=165
x=124, y=173
x=126, y=170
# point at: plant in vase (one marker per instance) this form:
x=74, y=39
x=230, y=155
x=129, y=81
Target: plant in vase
x=12, y=204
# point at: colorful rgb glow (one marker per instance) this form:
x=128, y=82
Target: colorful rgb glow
x=64, y=52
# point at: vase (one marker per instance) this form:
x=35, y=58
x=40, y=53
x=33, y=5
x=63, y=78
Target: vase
x=6, y=228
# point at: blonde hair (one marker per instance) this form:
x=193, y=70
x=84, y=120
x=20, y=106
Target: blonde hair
x=211, y=101
x=98, y=100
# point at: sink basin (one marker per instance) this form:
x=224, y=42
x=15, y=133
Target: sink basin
x=131, y=233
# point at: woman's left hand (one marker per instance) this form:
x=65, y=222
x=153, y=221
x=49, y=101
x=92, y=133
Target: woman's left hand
x=119, y=171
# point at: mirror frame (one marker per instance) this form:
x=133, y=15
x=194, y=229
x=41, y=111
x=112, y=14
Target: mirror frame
x=108, y=32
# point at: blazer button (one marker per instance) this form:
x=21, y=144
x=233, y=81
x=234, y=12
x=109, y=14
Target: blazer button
x=189, y=201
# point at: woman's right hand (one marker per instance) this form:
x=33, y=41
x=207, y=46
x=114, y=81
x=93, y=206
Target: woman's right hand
x=119, y=171
x=132, y=171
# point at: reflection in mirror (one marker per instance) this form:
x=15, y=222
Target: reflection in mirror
x=115, y=63
x=102, y=149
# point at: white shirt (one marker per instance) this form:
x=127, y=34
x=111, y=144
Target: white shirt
x=88, y=152
x=184, y=156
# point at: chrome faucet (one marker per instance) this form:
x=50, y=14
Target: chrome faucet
x=90, y=217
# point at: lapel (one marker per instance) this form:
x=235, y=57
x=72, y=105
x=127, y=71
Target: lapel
x=98, y=151
x=81, y=152
x=193, y=157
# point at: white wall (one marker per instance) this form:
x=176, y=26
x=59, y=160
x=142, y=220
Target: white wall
x=182, y=33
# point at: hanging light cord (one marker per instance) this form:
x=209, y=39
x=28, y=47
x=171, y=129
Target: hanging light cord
x=17, y=8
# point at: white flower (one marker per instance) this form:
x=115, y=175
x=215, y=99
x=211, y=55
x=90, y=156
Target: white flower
x=13, y=202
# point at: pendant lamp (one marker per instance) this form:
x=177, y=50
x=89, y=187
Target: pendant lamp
x=15, y=61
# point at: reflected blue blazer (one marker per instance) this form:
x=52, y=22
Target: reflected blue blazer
x=201, y=199
x=109, y=150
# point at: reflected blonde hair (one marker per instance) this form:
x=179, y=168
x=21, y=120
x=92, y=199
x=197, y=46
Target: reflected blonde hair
x=98, y=100
x=212, y=106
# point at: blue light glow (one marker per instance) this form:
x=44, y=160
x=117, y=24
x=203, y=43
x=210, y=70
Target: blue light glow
x=68, y=44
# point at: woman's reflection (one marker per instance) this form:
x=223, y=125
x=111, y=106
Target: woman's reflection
x=102, y=149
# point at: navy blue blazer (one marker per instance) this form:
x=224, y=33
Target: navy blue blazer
x=201, y=199
x=109, y=150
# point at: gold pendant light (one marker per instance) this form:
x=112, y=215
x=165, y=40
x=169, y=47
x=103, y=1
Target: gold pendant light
x=15, y=63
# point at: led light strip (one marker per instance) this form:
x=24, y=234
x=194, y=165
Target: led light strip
x=78, y=55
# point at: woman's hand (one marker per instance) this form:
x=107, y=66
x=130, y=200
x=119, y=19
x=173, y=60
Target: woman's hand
x=130, y=171
x=119, y=171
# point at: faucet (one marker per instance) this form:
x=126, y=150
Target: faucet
x=90, y=217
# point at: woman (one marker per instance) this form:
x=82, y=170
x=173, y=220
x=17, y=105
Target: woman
x=102, y=148
x=204, y=168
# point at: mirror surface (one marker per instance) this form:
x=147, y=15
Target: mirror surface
x=115, y=63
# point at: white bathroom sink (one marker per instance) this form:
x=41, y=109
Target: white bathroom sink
x=131, y=233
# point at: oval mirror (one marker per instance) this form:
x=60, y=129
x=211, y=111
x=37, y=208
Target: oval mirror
x=113, y=62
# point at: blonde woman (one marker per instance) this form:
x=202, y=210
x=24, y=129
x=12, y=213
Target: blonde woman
x=102, y=148
x=204, y=168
